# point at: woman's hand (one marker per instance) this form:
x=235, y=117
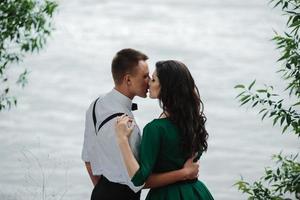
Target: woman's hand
x=124, y=127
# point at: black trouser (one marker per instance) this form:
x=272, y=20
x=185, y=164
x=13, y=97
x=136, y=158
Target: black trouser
x=106, y=190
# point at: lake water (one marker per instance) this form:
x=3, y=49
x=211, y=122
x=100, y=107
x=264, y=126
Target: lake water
x=223, y=42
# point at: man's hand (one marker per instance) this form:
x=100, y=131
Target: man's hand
x=188, y=172
x=191, y=169
x=94, y=178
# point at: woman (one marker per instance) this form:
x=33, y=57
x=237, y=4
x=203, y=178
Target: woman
x=170, y=140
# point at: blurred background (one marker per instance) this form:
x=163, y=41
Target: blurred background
x=223, y=42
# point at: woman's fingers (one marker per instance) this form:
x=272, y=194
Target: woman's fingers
x=196, y=157
x=123, y=117
x=120, y=117
x=124, y=125
x=124, y=120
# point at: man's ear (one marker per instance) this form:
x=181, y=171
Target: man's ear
x=127, y=79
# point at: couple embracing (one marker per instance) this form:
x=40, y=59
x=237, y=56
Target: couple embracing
x=120, y=159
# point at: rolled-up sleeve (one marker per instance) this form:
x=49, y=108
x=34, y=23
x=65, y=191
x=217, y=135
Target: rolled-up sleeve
x=149, y=151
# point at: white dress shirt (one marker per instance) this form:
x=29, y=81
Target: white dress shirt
x=100, y=148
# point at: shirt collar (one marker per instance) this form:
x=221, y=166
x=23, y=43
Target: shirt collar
x=121, y=98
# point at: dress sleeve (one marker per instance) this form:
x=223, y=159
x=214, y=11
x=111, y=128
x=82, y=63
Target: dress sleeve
x=149, y=150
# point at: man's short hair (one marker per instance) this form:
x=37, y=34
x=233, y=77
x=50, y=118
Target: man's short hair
x=124, y=62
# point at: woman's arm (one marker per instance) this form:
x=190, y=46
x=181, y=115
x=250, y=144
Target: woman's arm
x=190, y=170
x=131, y=164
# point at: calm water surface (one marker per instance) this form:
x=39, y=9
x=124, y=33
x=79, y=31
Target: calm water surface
x=223, y=42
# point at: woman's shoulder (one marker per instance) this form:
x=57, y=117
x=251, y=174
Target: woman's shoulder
x=158, y=123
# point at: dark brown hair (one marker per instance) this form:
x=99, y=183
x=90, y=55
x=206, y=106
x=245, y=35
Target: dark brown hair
x=125, y=62
x=179, y=98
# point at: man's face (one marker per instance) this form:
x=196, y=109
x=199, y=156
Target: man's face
x=140, y=79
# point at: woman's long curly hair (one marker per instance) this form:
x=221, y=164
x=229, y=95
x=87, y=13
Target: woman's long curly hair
x=179, y=98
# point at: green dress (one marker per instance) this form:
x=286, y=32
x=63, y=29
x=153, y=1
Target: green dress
x=160, y=151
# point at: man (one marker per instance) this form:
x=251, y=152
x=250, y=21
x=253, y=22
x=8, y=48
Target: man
x=101, y=153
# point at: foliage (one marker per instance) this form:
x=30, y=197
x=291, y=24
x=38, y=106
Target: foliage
x=284, y=181
x=285, y=178
x=24, y=27
x=290, y=69
x=272, y=106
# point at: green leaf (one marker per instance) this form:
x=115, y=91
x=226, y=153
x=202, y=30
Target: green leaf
x=255, y=104
x=239, y=86
x=262, y=110
x=261, y=91
x=284, y=129
x=245, y=101
x=251, y=85
x=288, y=119
x=240, y=94
x=270, y=102
x=296, y=104
x=275, y=120
x=245, y=97
x=279, y=2
x=272, y=113
x=264, y=115
x=282, y=119
x=279, y=105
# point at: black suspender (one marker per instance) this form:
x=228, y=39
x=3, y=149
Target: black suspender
x=104, y=121
x=109, y=118
x=94, y=115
